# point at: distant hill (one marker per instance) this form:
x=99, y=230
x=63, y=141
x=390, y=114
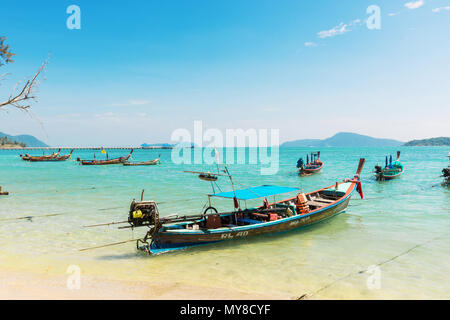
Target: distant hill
x=441, y=141
x=344, y=139
x=29, y=141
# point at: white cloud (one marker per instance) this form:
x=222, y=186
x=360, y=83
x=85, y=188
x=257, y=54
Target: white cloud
x=393, y=14
x=441, y=9
x=415, y=4
x=310, y=44
x=338, y=30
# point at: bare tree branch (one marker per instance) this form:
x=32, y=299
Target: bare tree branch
x=18, y=100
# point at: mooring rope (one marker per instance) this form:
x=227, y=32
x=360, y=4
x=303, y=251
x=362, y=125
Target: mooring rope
x=302, y=297
x=31, y=217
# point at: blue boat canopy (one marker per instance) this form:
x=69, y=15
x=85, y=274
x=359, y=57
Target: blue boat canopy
x=254, y=192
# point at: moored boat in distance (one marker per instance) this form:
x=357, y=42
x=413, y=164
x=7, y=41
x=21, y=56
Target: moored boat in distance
x=107, y=161
x=50, y=159
x=391, y=170
x=177, y=232
x=144, y=163
x=313, y=166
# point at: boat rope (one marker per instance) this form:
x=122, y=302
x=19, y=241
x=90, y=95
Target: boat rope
x=108, y=245
x=30, y=218
x=304, y=296
x=110, y=208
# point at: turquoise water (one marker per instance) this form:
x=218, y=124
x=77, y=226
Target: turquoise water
x=411, y=212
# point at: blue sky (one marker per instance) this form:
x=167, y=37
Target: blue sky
x=138, y=70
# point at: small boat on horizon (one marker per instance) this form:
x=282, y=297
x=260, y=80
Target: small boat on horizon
x=391, y=170
x=107, y=161
x=310, y=167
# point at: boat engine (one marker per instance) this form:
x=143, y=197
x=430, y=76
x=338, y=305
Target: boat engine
x=378, y=169
x=446, y=172
x=143, y=213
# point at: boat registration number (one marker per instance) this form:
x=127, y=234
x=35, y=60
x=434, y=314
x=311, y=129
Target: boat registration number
x=231, y=236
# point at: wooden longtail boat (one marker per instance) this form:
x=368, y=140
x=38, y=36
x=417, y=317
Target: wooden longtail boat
x=310, y=167
x=96, y=162
x=144, y=163
x=391, y=169
x=55, y=158
x=27, y=157
x=178, y=232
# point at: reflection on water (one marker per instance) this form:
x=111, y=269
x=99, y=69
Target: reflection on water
x=394, y=217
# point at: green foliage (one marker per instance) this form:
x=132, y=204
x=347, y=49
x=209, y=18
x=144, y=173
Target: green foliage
x=6, y=140
x=441, y=141
x=5, y=54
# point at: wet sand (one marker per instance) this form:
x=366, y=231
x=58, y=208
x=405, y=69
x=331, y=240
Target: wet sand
x=32, y=286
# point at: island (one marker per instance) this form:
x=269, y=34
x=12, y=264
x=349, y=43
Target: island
x=344, y=139
x=434, y=142
x=6, y=143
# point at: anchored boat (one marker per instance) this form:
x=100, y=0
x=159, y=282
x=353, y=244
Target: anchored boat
x=310, y=167
x=96, y=162
x=144, y=163
x=391, y=169
x=55, y=158
x=51, y=157
x=178, y=232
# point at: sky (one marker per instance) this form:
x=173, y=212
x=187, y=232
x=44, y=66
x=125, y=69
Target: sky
x=138, y=70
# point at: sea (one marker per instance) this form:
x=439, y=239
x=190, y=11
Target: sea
x=392, y=244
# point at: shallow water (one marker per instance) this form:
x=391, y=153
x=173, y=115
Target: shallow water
x=406, y=220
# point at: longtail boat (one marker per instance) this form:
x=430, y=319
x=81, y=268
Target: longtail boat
x=55, y=158
x=96, y=162
x=391, y=170
x=313, y=166
x=144, y=163
x=27, y=157
x=176, y=232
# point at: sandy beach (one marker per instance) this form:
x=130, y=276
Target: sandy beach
x=35, y=286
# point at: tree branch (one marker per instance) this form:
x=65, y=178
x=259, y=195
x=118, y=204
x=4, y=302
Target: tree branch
x=26, y=93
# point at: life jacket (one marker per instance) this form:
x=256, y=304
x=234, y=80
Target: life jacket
x=301, y=205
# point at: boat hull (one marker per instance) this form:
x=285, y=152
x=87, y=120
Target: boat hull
x=386, y=177
x=99, y=163
x=63, y=158
x=308, y=171
x=145, y=163
x=169, y=241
